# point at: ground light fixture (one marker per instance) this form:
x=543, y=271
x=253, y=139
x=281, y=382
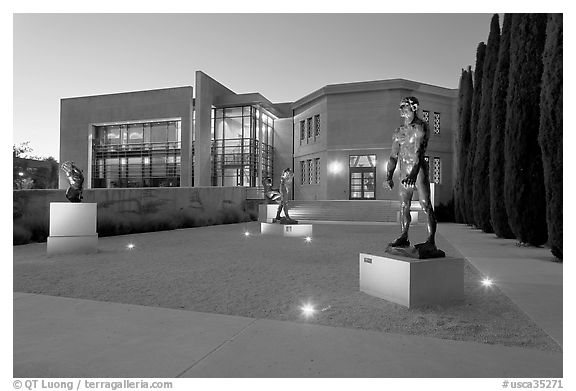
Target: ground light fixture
x=130, y=246
x=246, y=233
x=487, y=282
x=308, y=239
x=308, y=310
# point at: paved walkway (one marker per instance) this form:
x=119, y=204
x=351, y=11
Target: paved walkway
x=64, y=337
x=525, y=274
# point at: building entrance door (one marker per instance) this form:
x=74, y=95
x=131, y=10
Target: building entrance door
x=362, y=177
x=362, y=182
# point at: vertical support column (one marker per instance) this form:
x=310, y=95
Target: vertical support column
x=186, y=145
x=88, y=173
x=259, y=163
x=202, y=150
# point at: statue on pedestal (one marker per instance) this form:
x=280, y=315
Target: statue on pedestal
x=76, y=179
x=409, y=143
x=280, y=196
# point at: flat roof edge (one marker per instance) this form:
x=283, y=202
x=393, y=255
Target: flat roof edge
x=375, y=85
x=128, y=92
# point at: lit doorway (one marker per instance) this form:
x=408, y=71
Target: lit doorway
x=362, y=177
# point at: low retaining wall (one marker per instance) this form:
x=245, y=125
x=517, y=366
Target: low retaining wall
x=137, y=206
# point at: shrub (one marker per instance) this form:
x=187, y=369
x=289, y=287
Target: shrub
x=445, y=212
x=37, y=225
x=21, y=235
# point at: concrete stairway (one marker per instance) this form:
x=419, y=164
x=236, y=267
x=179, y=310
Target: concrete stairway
x=370, y=211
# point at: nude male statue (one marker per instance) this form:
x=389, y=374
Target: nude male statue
x=409, y=143
x=280, y=196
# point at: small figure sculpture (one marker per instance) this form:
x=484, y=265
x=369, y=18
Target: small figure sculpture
x=280, y=196
x=409, y=143
x=76, y=179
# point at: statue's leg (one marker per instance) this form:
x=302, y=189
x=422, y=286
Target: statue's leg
x=286, y=210
x=405, y=201
x=279, y=210
x=423, y=186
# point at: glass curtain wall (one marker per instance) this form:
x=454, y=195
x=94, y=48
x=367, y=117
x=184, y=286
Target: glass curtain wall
x=236, y=144
x=145, y=154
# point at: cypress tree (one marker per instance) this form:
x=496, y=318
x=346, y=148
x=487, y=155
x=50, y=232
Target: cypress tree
x=524, y=178
x=480, y=168
x=476, y=100
x=550, y=137
x=464, y=138
x=498, y=214
x=457, y=214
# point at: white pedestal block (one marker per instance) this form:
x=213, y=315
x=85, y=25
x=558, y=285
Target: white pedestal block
x=266, y=212
x=412, y=282
x=290, y=230
x=72, y=219
x=72, y=228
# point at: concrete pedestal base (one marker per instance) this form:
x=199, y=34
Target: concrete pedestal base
x=72, y=228
x=72, y=244
x=267, y=212
x=412, y=282
x=291, y=230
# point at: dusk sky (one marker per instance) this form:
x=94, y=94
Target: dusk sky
x=281, y=56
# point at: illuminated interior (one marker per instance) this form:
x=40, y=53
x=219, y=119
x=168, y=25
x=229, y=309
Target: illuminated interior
x=143, y=154
x=239, y=134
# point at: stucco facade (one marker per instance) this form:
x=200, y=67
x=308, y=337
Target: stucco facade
x=358, y=119
x=336, y=139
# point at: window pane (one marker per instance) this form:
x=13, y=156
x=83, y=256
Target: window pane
x=219, y=129
x=158, y=132
x=135, y=134
x=233, y=112
x=124, y=134
x=172, y=132
x=113, y=134
x=146, y=133
x=233, y=128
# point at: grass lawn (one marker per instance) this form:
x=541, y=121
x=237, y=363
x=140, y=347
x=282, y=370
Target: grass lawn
x=220, y=270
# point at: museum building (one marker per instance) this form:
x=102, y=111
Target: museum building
x=336, y=139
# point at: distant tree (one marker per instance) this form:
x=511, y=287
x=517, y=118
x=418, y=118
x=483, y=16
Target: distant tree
x=465, y=112
x=21, y=149
x=550, y=137
x=524, y=178
x=480, y=168
x=498, y=215
x=471, y=150
x=27, y=176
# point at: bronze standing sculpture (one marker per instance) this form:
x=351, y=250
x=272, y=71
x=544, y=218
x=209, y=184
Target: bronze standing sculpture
x=76, y=179
x=280, y=196
x=409, y=143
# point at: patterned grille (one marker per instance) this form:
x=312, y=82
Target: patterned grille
x=436, y=123
x=436, y=171
x=426, y=116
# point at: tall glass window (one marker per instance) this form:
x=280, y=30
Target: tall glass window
x=143, y=154
x=240, y=133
